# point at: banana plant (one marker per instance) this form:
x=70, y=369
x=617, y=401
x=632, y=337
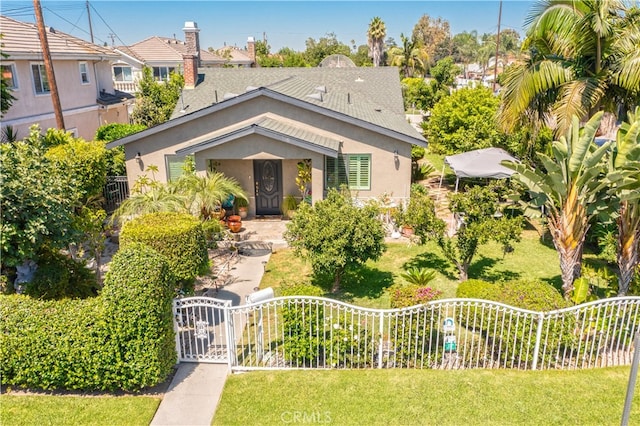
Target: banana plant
x=569, y=190
x=624, y=179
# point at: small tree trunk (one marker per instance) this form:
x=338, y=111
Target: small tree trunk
x=463, y=272
x=336, y=280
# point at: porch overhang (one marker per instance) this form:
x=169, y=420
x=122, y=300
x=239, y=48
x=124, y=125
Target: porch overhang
x=270, y=128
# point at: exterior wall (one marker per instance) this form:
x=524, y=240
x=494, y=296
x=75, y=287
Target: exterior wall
x=80, y=109
x=388, y=174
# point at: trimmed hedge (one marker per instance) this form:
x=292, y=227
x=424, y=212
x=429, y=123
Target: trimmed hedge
x=122, y=339
x=178, y=236
x=59, y=276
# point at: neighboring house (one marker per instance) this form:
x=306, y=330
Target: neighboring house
x=235, y=57
x=257, y=124
x=83, y=77
x=165, y=55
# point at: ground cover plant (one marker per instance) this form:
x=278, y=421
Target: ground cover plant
x=423, y=397
x=27, y=410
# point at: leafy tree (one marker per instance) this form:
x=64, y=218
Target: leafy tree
x=570, y=188
x=582, y=56
x=412, y=58
x=155, y=101
x=464, y=121
x=84, y=163
x=328, y=45
x=335, y=235
x=465, y=48
x=115, y=156
x=480, y=224
x=362, y=59
x=291, y=58
x=6, y=98
x=433, y=34
x=375, y=40
x=416, y=93
x=35, y=206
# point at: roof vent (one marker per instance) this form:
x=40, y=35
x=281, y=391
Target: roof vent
x=250, y=88
x=52, y=30
x=322, y=89
x=229, y=95
x=378, y=109
x=359, y=80
x=317, y=96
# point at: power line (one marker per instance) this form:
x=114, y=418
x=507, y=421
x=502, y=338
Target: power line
x=108, y=26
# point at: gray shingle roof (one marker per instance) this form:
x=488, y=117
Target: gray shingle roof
x=271, y=126
x=372, y=95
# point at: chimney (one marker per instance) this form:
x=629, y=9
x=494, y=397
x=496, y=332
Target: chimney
x=251, y=49
x=190, y=71
x=192, y=39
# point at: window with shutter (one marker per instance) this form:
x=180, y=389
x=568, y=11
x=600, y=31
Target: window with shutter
x=175, y=167
x=353, y=170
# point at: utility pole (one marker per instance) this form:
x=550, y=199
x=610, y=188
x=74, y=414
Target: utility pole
x=90, y=27
x=495, y=68
x=48, y=65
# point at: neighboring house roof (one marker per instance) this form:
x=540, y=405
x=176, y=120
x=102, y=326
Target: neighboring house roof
x=163, y=49
x=366, y=97
x=20, y=40
x=234, y=55
x=116, y=98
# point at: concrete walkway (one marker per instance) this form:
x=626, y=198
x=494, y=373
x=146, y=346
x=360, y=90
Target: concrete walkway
x=196, y=388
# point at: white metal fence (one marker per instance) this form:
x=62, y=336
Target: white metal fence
x=310, y=332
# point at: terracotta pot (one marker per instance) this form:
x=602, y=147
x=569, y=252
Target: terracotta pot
x=242, y=211
x=234, y=226
x=407, y=231
x=234, y=218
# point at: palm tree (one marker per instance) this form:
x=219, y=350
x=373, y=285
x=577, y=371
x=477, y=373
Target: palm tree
x=570, y=191
x=624, y=167
x=375, y=38
x=466, y=48
x=582, y=58
x=204, y=195
x=158, y=198
x=412, y=57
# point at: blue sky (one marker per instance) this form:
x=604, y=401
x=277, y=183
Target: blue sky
x=285, y=23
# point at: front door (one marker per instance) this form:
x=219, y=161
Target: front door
x=268, y=186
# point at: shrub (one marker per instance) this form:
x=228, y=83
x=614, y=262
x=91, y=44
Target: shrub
x=177, y=236
x=510, y=341
x=477, y=289
x=417, y=152
x=404, y=296
x=59, y=276
x=53, y=344
x=122, y=339
x=138, y=294
x=418, y=276
x=213, y=232
x=303, y=325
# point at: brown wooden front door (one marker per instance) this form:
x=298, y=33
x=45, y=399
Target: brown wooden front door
x=268, y=186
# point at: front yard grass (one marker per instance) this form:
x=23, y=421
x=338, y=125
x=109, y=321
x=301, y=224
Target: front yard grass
x=16, y=410
x=532, y=259
x=421, y=397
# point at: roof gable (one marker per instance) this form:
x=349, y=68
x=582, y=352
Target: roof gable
x=163, y=49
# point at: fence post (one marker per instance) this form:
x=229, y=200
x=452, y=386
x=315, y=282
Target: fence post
x=633, y=375
x=176, y=329
x=231, y=339
x=536, y=349
x=381, y=342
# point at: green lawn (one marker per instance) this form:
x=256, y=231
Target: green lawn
x=32, y=410
x=531, y=259
x=421, y=397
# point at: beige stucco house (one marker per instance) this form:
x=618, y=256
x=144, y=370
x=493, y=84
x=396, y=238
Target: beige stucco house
x=83, y=77
x=257, y=124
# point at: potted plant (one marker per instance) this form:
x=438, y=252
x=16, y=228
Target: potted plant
x=234, y=222
x=242, y=207
x=289, y=205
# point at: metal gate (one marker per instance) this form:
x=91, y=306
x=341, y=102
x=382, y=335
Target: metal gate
x=204, y=330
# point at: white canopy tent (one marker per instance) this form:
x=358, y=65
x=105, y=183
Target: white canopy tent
x=480, y=163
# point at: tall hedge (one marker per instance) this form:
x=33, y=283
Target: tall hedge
x=122, y=339
x=138, y=293
x=177, y=236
